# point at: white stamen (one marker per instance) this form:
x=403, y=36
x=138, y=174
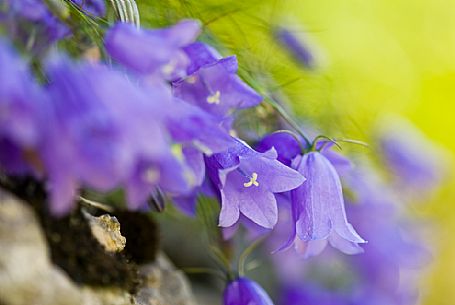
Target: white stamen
x=168, y=68
x=152, y=175
x=253, y=181
x=191, y=79
x=214, y=98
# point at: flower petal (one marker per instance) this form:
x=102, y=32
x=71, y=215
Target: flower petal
x=255, y=202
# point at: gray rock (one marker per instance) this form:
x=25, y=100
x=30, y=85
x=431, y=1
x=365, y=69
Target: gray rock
x=27, y=276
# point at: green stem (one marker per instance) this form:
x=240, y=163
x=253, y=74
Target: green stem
x=244, y=256
x=275, y=105
x=217, y=273
x=313, y=146
x=357, y=142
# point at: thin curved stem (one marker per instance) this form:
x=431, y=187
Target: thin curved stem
x=244, y=256
x=313, y=145
x=199, y=270
x=357, y=142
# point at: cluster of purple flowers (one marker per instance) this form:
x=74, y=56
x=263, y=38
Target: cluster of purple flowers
x=383, y=274
x=157, y=118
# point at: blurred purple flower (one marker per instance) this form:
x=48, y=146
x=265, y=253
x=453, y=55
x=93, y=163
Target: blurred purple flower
x=152, y=51
x=416, y=163
x=392, y=247
x=373, y=278
x=22, y=111
x=199, y=133
x=193, y=126
x=320, y=206
x=247, y=181
x=243, y=291
x=311, y=294
x=212, y=83
x=103, y=133
x=93, y=7
x=31, y=22
x=296, y=47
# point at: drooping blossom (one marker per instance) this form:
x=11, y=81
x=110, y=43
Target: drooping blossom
x=103, y=135
x=247, y=181
x=320, y=206
x=244, y=291
x=317, y=213
x=212, y=83
x=22, y=112
x=376, y=276
x=152, y=51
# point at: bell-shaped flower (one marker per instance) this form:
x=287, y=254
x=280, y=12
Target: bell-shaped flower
x=320, y=208
x=22, y=110
x=213, y=84
x=243, y=291
x=247, y=181
x=150, y=51
x=416, y=163
x=296, y=47
x=103, y=134
x=191, y=125
x=20, y=16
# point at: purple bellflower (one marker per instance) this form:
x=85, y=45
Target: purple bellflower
x=389, y=252
x=22, y=110
x=415, y=162
x=212, y=83
x=199, y=133
x=317, y=207
x=247, y=181
x=320, y=207
x=22, y=15
x=243, y=291
x=152, y=51
x=194, y=127
x=373, y=278
x=103, y=136
x=296, y=47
